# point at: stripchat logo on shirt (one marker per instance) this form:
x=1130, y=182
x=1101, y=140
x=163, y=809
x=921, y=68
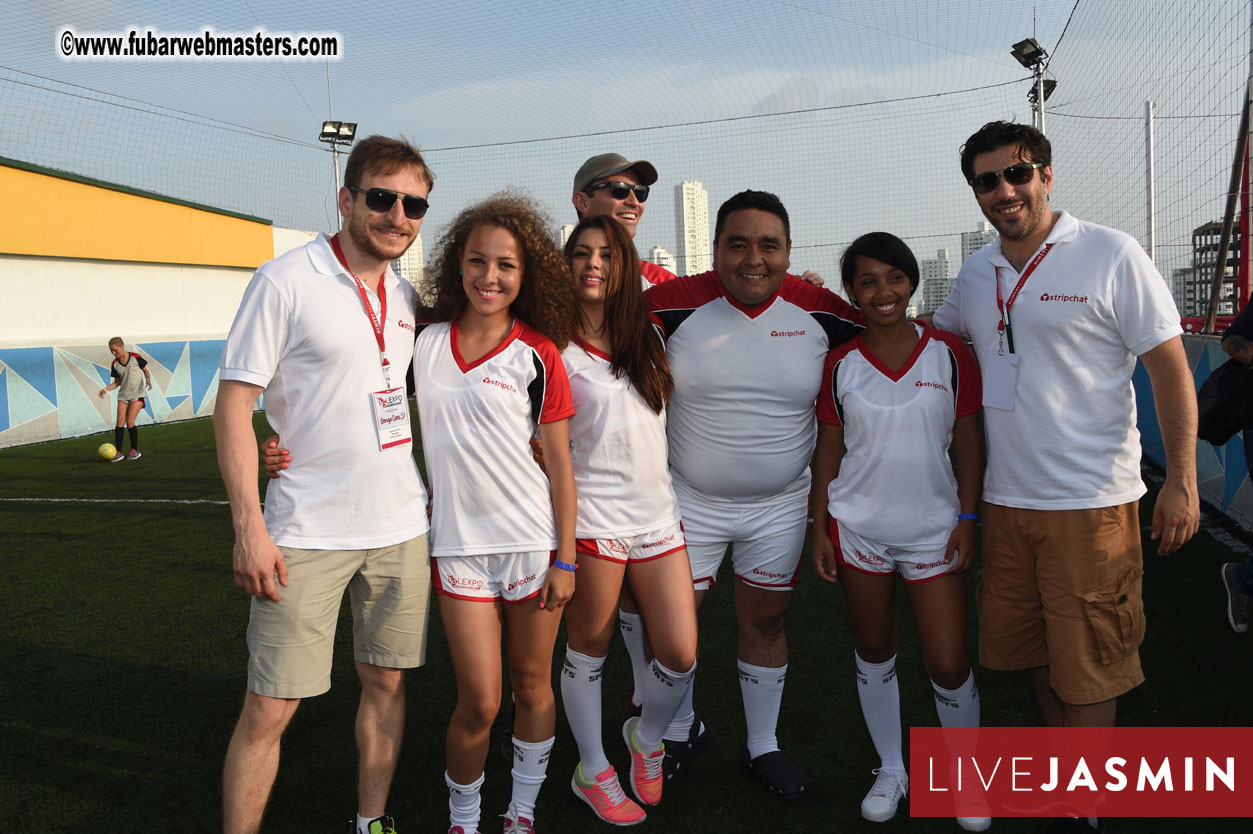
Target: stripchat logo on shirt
x=924, y=384
x=1079, y=299
x=504, y=386
x=779, y=334
x=404, y=325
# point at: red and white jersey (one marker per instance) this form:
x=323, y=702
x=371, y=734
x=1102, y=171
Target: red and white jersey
x=896, y=484
x=618, y=448
x=741, y=420
x=489, y=495
x=652, y=275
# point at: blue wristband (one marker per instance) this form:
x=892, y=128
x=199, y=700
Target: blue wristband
x=565, y=565
x=968, y=517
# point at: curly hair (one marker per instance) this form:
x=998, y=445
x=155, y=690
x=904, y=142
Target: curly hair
x=546, y=299
x=637, y=352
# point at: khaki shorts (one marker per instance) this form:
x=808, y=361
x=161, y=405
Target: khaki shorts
x=1061, y=588
x=290, y=641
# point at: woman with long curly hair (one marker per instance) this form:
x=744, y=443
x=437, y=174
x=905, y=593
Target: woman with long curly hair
x=488, y=372
x=628, y=519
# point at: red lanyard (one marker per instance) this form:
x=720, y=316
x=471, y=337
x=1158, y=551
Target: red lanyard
x=376, y=322
x=1004, y=307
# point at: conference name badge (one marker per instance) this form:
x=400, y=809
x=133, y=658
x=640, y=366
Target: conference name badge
x=1000, y=379
x=391, y=417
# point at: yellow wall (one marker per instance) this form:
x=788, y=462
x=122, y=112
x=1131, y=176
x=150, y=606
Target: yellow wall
x=47, y=215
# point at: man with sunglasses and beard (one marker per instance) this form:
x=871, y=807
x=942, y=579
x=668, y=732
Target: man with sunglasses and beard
x=1058, y=310
x=326, y=333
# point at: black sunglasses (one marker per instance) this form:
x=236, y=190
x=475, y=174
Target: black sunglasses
x=619, y=190
x=382, y=200
x=1020, y=173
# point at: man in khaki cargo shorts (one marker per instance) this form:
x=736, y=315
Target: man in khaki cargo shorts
x=326, y=332
x=1058, y=310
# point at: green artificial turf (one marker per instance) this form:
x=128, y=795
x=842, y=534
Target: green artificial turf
x=122, y=671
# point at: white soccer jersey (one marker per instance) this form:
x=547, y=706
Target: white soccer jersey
x=896, y=484
x=302, y=334
x=618, y=448
x=1094, y=304
x=741, y=420
x=489, y=496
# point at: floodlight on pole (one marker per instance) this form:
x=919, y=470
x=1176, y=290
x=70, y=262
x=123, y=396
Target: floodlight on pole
x=336, y=134
x=1032, y=56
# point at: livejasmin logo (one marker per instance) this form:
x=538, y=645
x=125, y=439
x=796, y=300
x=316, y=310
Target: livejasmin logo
x=1082, y=771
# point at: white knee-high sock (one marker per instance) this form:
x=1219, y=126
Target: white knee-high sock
x=632, y=628
x=580, y=693
x=463, y=802
x=762, y=690
x=663, y=695
x=880, y=699
x=958, y=707
x=530, y=765
x=684, y=715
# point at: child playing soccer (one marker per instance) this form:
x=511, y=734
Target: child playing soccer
x=130, y=375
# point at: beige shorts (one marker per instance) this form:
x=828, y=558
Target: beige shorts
x=290, y=641
x=1061, y=588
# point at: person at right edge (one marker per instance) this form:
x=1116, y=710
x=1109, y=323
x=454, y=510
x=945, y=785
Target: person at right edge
x=1058, y=310
x=1238, y=576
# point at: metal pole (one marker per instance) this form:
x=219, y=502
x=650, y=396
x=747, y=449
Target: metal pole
x=1150, y=218
x=1039, y=92
x=335, y=162
x=1229, y=216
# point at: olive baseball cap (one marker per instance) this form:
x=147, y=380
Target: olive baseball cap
x=608, y=164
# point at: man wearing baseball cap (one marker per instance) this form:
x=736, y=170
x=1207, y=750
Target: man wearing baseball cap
x=611, y=184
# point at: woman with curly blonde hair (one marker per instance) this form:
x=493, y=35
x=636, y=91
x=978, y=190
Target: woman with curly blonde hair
x=488, y=372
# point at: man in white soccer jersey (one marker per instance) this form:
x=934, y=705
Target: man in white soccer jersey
x=746, y=343
x=326, y=332
x=1058, y=310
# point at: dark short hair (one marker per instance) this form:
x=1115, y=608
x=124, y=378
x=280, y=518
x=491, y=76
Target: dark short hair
x=883, y=247
x=759, y=200
x=1029, y=143
x=382, y=155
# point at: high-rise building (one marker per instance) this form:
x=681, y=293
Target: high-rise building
x=936, y=283
x=691, y=218
x=563, y=235
x=1183, y=290
x=972, y=242
x=1205, y=241
x=409, y=265
x=663, y=259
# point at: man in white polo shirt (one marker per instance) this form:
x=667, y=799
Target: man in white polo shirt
x=1058, y=311
x=326, y=333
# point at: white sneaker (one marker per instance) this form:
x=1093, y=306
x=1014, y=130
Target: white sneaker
x=889, y=786
x=974, y=823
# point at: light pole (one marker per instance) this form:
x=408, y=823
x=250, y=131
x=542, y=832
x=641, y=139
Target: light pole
x=336, y=134
x=1032, y=56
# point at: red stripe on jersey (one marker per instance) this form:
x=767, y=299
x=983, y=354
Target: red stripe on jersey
x=592, y=349
x=654, y=274
x=466, y=367
x=557, y=403
x=828, y=409
x=895, y=376
x=969, y=378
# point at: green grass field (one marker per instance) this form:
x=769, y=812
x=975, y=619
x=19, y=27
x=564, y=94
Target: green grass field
x=122, y=671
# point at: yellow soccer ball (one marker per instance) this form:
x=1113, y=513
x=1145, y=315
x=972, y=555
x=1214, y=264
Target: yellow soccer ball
x=107, y=451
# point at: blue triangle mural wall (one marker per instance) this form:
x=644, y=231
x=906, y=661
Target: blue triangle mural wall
x=65, y=382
